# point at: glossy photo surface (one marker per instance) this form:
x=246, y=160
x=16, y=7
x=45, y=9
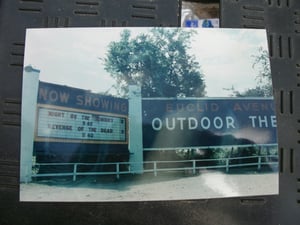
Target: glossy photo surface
x=147, y=114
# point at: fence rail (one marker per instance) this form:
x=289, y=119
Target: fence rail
x=120, y=168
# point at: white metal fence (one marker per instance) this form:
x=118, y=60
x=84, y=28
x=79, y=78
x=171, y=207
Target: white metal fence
x=120, y=168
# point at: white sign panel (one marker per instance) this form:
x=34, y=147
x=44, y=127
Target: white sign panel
x=62, y=124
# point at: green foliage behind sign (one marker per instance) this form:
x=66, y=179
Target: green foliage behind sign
x=158, y=61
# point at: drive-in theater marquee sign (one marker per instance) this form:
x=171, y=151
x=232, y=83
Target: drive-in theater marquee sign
x=67, y=114
x=206, y=122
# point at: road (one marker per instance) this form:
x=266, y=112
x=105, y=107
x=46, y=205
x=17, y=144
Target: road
x=206, y=185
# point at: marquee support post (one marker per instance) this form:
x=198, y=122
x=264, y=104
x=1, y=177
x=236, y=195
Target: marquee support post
x=135, y=130
x=29, y=103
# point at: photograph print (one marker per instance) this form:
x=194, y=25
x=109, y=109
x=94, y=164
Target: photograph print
x=147, y=114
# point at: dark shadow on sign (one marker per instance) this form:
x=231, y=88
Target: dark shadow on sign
x=188, y=138
x=53, y=152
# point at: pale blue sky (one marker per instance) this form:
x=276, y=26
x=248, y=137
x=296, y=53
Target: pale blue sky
x=70, y=56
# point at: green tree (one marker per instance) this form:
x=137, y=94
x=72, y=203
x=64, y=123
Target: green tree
x=158, y=61
x=264, y=78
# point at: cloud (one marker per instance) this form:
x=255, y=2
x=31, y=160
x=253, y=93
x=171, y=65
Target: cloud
x=227, y=56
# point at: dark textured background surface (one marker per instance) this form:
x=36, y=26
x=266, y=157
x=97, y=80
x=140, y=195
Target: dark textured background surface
x=282, y=20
